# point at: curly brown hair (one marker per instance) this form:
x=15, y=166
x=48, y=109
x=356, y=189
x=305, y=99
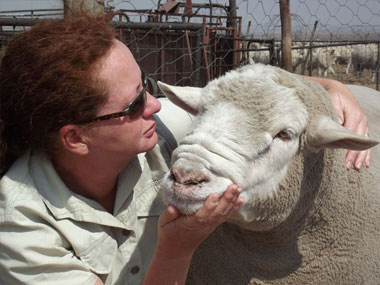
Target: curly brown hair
x=48, y=79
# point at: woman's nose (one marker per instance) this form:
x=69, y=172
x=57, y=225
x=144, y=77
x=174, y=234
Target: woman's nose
x=152, y=105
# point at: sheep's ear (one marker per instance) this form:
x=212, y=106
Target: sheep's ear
x=323, y=132
x=188, y=98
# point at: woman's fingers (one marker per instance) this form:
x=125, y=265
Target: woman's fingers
x=216, y=209
x=357, y=159
x=228, y=199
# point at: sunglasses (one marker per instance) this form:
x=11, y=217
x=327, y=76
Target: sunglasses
x=134, y=109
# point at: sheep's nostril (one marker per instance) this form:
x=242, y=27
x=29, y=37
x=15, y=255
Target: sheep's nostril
x=176, y=174
x=187, y=177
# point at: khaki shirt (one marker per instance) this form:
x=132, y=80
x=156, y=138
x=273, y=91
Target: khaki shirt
x=50, y=235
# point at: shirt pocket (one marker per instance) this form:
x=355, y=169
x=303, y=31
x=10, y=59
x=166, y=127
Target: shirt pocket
x=91, y=243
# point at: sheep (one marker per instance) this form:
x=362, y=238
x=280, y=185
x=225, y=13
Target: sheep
x=263, y=54
x=323, y=59
x=358, y=58
x=365, y=57
x=305, y=219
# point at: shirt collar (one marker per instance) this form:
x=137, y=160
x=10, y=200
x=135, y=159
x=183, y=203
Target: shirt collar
x=63, y=203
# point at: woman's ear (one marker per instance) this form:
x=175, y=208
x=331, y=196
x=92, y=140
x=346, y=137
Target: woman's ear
x=73, y=139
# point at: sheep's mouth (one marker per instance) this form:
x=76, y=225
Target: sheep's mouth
x=188, y=188
x=191, y=183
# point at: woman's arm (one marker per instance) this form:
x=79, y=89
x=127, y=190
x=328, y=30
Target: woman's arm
x=179, y=236
x=351, y=117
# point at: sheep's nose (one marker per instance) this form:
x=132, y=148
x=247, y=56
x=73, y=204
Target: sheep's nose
x=188, y=176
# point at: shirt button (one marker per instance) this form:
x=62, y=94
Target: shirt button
x=126, y=232
x=135, y=269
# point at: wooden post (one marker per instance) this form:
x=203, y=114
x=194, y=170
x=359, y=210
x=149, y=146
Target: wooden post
x=286, y=35
x=377, y=67
x=309, y=54
x=232, y=16
x=91, y=7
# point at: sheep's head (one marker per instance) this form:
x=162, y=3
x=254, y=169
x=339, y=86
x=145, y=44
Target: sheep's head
x=248, y=129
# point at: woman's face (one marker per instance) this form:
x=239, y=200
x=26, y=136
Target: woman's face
x=123, y=138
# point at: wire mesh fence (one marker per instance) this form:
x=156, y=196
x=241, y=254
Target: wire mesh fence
x=192, y=42
x=183, y=45
x=336, y=38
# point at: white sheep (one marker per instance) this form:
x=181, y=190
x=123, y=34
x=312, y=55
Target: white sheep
x=305, y=219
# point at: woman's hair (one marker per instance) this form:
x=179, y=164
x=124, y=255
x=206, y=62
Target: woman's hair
x=48, y=79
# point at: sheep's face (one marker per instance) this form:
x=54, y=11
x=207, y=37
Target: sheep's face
x=246, y=131
x=221, y=150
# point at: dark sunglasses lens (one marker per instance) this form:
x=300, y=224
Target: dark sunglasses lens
x=138, y=106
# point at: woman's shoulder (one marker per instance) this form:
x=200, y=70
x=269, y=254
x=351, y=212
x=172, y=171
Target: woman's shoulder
x=17, y=190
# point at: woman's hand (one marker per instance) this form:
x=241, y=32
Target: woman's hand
x=183, y=233
x=350, y=116
x=179, y=235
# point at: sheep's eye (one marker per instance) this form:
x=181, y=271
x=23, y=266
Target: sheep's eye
x=283, y=135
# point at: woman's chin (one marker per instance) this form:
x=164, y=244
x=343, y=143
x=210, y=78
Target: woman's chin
x=150, y=142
